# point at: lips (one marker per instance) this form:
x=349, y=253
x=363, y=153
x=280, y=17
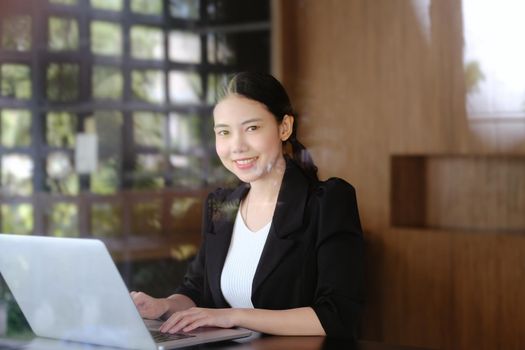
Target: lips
x=245, y=163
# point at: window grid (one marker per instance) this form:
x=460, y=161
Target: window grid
x=48, y=65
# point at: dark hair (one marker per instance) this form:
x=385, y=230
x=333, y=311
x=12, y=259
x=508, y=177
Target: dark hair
x=264, y=88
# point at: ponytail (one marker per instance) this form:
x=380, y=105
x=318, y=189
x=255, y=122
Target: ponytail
x=302, y=157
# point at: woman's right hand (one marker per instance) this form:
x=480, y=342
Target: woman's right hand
x=149, y=307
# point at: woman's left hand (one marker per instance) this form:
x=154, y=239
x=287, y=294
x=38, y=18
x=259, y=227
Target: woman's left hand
x=195, y=317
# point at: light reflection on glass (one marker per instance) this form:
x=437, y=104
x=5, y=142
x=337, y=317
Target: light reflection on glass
x=17, y=171
x=494, y=69
x=185, y=87
x=61, y=176
x=494, y=57
x=185, y=47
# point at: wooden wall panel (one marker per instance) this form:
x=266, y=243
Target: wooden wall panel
x=373, y=79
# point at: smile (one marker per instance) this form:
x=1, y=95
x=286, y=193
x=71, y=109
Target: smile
x=242, y=163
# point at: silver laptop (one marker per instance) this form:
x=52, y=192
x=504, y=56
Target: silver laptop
x=70, y=289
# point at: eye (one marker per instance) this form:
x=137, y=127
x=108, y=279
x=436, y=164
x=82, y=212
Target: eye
x=252, y=128
x=222, y=132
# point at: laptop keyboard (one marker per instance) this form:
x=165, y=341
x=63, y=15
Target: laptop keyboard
x=160, y=337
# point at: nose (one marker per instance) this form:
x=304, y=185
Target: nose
x=238, y=143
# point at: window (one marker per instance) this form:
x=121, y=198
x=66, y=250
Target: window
x=137, y=76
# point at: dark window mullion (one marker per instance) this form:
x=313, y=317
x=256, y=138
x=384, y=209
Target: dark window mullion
x=38, y=91
x=128, y=162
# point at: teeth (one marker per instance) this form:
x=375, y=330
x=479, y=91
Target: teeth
x=244, y=161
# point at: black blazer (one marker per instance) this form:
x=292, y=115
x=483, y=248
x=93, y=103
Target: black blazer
x=313, y=255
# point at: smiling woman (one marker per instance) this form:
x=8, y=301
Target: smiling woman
x=283, y=252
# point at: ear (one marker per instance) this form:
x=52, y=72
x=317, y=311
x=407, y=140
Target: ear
x=286, y=127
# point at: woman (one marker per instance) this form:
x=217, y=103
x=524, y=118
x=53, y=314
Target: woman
x=283, y=252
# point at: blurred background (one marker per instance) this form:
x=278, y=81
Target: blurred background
x=105, y=132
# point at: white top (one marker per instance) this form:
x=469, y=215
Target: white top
x=241, y=262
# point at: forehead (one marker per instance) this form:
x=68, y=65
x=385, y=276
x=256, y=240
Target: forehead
x=235, y=108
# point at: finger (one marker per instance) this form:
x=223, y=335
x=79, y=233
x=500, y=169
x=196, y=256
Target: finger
x=193, y=322
x=183, y=320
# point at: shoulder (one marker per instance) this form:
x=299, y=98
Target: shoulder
x=334, y=190
x=337, y=208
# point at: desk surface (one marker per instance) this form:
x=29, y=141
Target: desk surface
x=265, y=343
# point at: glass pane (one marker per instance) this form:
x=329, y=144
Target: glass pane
x=184, y=132
x=219, y=176
x=106, y=180
x=146, y=218
x=61, y=177
x=17, y=218
x=16, y=81
x=148, y=129
x=16, y=128
x=236, y=11
x=106, y=220
x=220, y=49
x=242, y=49
x=148, y=85
x=147, y=43
x=112, y=5
x=62, y=81
x=147, y=7
x=107, y=83
x=108, y=126
x=64, y=2
x=146, y=175
x=186, y=211
x=186, y=9
x=61, y=129
x=187, y=171
x=106, y=38
x=184, y=218
x=185, y=87
x=216, y=85
x=63, y=220
x=17, y=171
x=185, y=47
x=63, y=34
x=16, y=33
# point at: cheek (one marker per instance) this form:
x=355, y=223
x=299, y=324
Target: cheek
x=221, y=148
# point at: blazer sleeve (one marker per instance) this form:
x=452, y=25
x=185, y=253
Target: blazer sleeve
x=339, y=247
x=193, y=283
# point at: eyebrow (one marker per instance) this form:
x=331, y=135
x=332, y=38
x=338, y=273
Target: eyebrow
x=243, y=123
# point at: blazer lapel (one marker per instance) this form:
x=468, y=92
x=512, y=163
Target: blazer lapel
x=219, y=237
x=287, y=218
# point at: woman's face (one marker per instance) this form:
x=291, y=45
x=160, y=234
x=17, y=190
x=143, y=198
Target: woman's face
x=248, y=138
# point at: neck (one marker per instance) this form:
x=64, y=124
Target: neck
x=267, y=189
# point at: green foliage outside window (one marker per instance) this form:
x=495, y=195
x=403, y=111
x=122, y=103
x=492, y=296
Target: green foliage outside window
x=63, y=220
x=15, y=126
x=64, y=2
x=105, y=220
x=147, y=7
x=16, y=33
x=62, y=82
x=61, y=129
x=106, y=38
x=107, y=83
x=16, y=81
x=17, y=218
x=111, y=5
x=148, y=85
x=63, y=34
x=149, y=129
x=147, y=43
